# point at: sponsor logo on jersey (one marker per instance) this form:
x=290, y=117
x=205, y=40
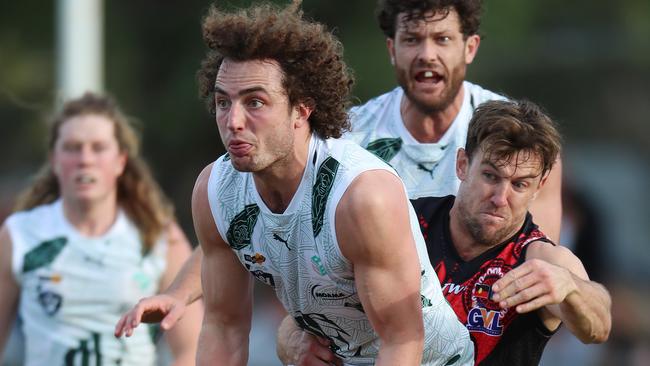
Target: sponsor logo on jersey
x=262, y=276
x=257, y=258
x=50, y=301
x=328, y=293
x=485, y=321
x=452, y=288
x=317, y=264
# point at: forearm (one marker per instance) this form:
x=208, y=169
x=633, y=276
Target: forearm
x=221, y=344
x=403, y=353
x=586, y=312
x=187, y=284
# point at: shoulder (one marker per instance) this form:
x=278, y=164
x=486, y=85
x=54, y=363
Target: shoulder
x=429, y=206
x=479, y=95
x=200, y=191
x=367, y=113
x=372, y=191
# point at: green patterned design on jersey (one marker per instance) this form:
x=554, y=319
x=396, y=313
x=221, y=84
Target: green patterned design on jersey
x=453, y=360
x=226, y=157
x=322, y=187
x=385, y=148
x=43, y=254
x=241, y=227
x=425, y=301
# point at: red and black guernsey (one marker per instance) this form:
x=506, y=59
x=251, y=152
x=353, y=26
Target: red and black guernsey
x=500, y=336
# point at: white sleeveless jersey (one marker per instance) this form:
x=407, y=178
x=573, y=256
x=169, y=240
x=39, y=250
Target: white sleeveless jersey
x=74, y=289
x=427, y=169
x=297, y=253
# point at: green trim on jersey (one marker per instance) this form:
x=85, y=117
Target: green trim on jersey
x=322, y=187
x=241, y=227
x=43, y=254
x=385, y=148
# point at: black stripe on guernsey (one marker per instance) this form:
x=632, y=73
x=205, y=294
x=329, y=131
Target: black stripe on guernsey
x=322, y=187
x=385, y=148
x=241, y=227
x=43, y=254
x=226, y=157
x=472, y=102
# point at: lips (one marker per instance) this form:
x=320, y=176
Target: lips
x=239, y=148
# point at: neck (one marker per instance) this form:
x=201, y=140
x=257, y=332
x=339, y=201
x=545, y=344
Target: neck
x=91, y=219
x=430, y=126
x=278, y=183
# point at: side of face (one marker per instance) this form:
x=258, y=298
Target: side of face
x=430, y=57
x=494, y=197
x=86, y=158
x=256, y=123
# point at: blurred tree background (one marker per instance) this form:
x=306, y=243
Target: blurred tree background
x=586, y=62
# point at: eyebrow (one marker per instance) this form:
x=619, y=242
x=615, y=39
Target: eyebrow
x=243, y=91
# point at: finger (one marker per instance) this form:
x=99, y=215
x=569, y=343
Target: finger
x=511, y=276
x=119, y=326
x=536, y=303
x=172, y=318
x=524, y=295
x=514, y=287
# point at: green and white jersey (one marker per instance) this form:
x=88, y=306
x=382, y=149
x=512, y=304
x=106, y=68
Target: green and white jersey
x=297, y=253
x=427, y=169
x=75, y=288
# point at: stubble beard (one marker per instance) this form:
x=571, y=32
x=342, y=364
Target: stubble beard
x=476, y=230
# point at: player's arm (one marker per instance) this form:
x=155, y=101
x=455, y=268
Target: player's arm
x=8, y=288
x=373, y=231
x=227, y=289
x=554, y=281
x=547, y=206
x=183, y=337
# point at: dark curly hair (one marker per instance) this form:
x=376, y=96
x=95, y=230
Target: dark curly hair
x=310, y=57
x=469, y=13
x=502, y=129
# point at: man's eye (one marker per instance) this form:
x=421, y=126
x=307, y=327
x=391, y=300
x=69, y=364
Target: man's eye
x=255, y=103
x=222, y=103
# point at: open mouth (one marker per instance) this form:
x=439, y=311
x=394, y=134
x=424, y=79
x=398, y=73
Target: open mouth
x=428, y=76
x=85, y=179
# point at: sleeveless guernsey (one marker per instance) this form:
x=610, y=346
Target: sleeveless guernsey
x=427, y=169
x=74, y=289
x=297, y=253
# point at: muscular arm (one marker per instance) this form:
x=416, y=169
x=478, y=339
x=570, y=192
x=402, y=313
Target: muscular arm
x=554, y=282
x=227, y=290
x=8, y=288
x=183, y=337
x=547, y=207
x=373, y=230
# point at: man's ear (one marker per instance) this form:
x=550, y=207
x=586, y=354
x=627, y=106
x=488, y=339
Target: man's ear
x=462, y=164
x=471, y=47
x=302, y=112
x=541, y=184
x=390, y=45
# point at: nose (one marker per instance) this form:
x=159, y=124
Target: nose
x=428, y=51
x=85, y=155
x=500, y=195
x=235, y=119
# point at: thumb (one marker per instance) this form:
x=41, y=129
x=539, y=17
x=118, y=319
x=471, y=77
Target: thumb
x=172, y=318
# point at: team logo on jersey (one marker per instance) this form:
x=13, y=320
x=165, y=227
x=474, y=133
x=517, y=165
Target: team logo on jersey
x=317, y=264
x=257, y=258
x=50, y=301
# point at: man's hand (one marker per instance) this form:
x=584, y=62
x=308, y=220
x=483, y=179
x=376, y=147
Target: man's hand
x=309, y=350
x=533, y=285
x=299, y=348
x=160, y=308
